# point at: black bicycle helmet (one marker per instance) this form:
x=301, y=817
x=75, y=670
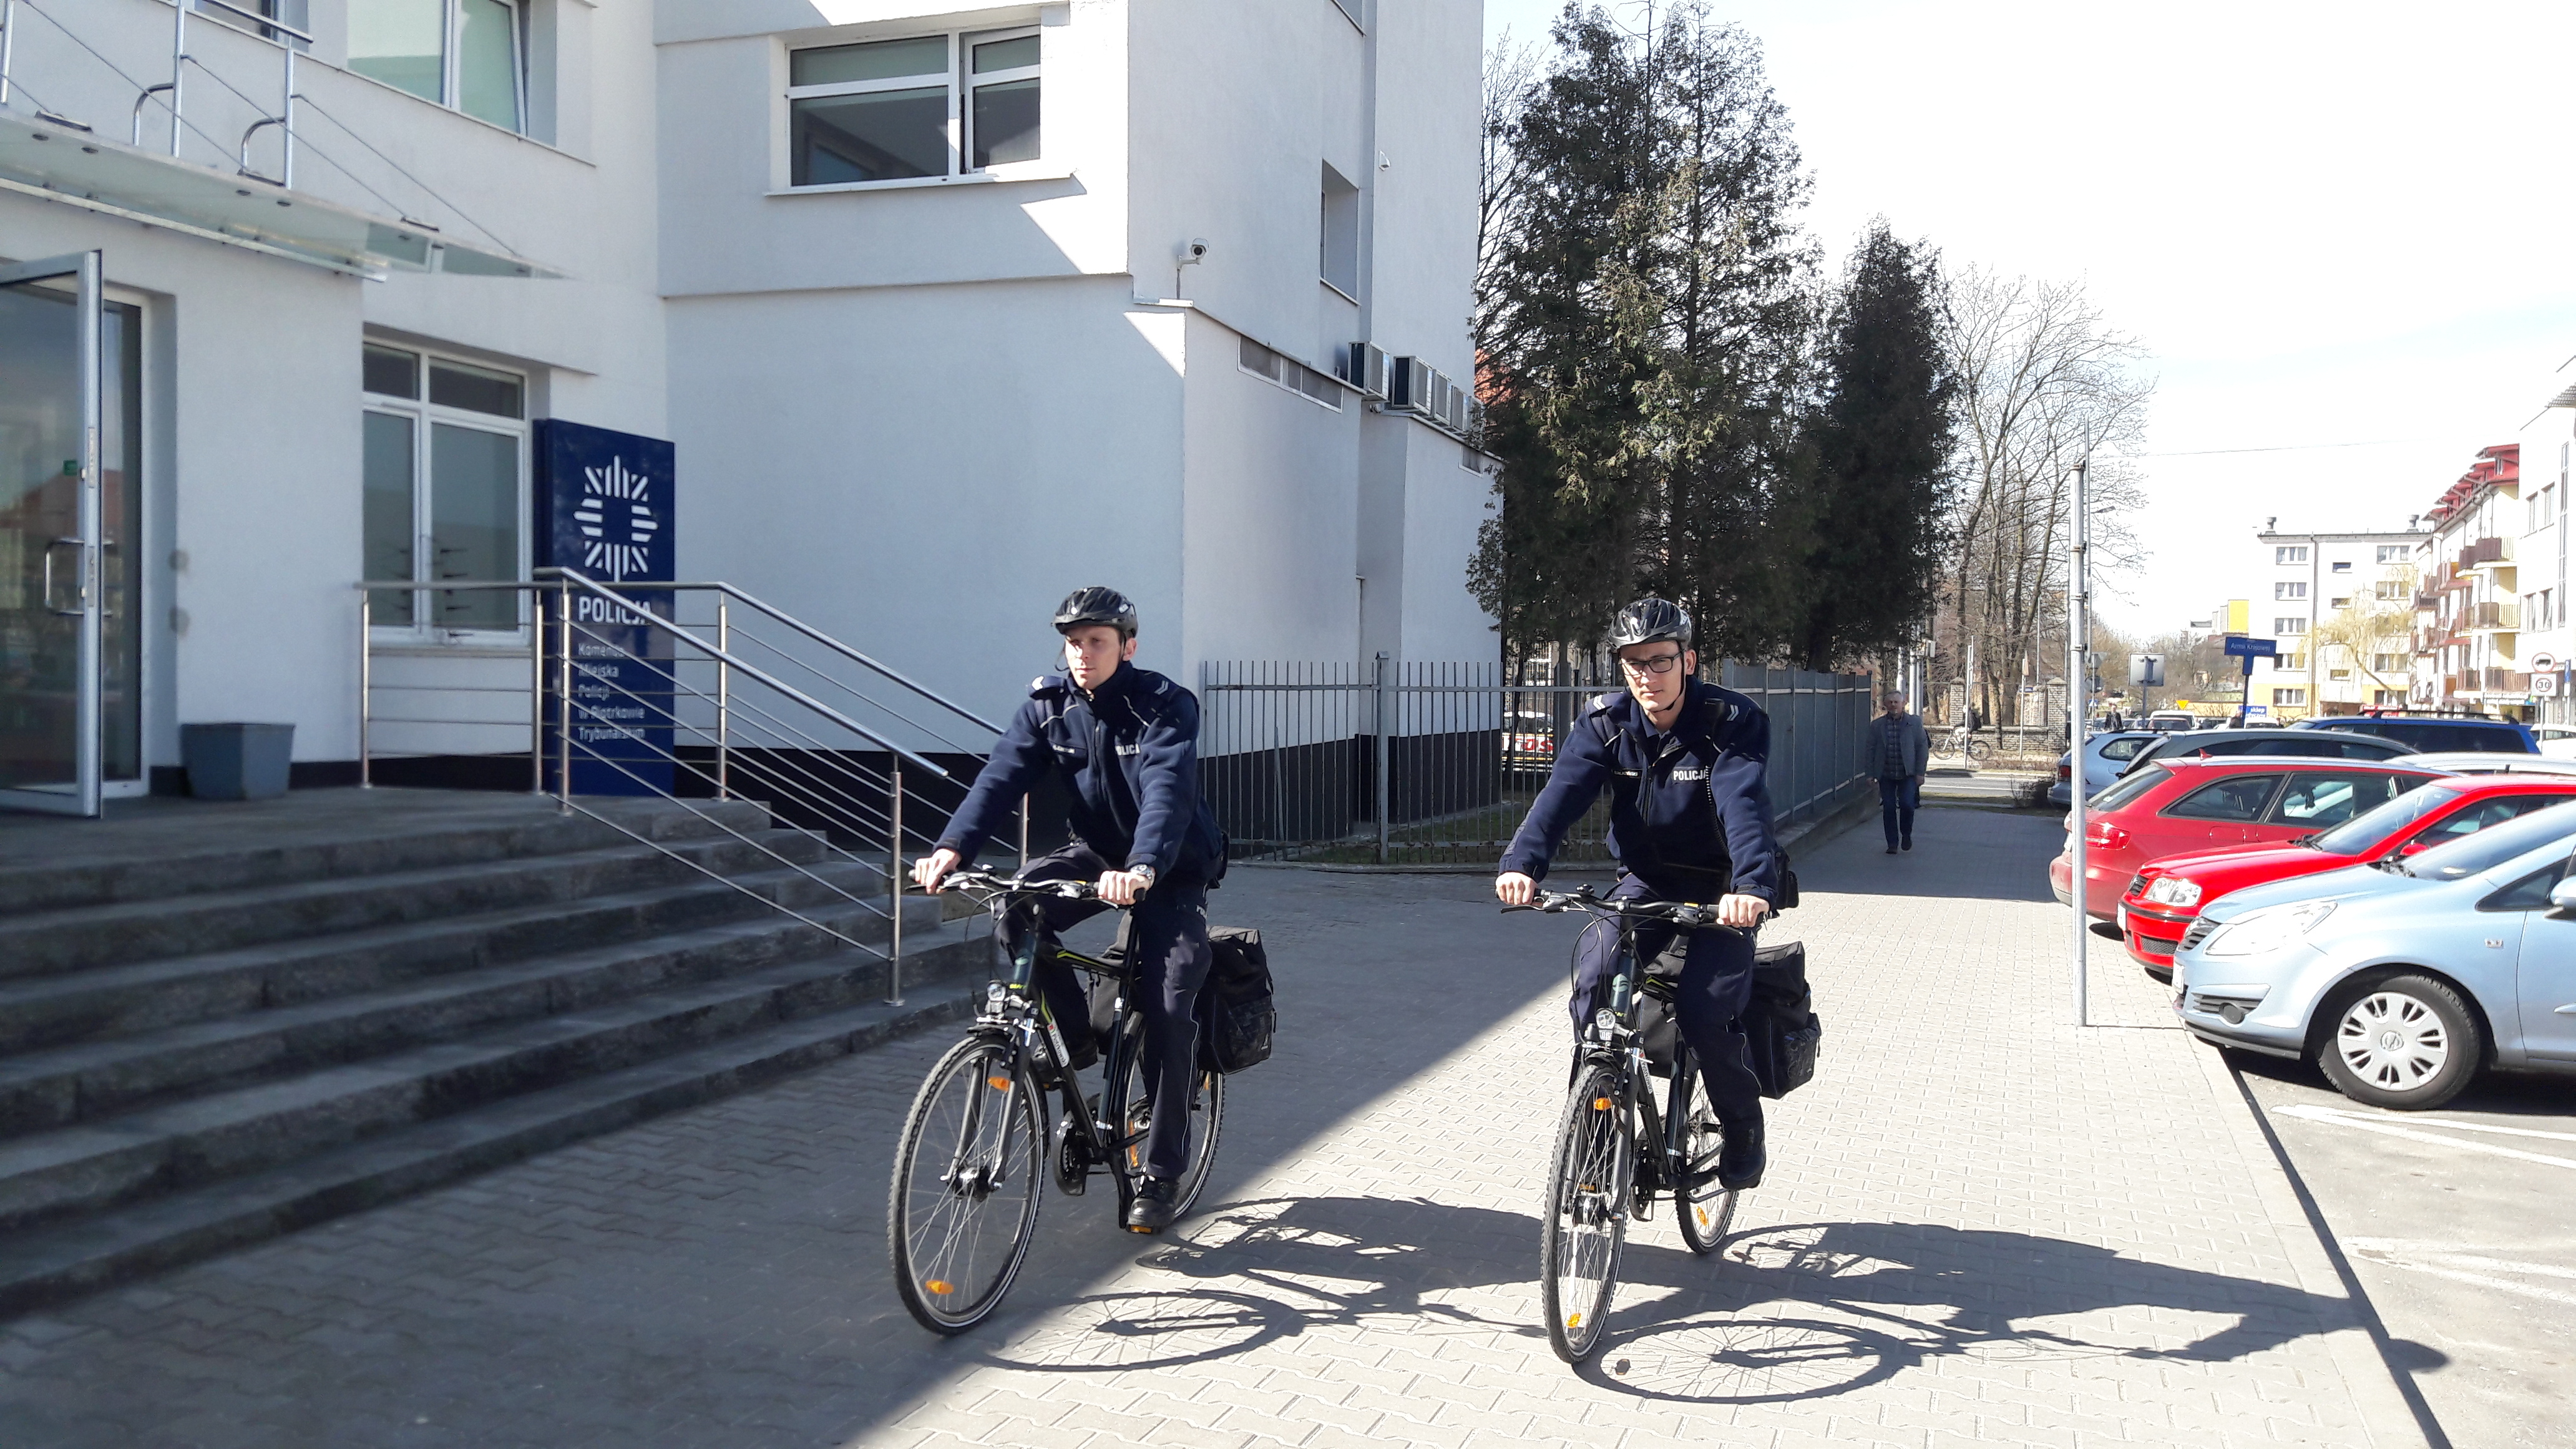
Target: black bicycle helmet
x=1096, y=605
x=1648, y=620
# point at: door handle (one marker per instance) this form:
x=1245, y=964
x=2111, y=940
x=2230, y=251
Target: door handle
x=81, y=606
x=2568, y=1010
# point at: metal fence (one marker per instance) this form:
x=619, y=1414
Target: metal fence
x=1421, y=763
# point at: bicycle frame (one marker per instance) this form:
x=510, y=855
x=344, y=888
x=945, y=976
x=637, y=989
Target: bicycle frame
x=1016, y=1013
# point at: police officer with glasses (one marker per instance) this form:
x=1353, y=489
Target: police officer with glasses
x=1690, y=821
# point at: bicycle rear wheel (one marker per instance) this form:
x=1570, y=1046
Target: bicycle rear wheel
x=1586, y=1218
x=1979, y=750
x=1207, y=1119
x=963, y=1205
x=1706, y=1211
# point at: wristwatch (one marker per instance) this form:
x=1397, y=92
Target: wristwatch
x=1147, y=872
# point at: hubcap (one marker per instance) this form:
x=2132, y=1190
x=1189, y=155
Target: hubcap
x=2393, y=1041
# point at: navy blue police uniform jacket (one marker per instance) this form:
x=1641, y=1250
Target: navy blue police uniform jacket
x=1690, y=813
x=1129, y=755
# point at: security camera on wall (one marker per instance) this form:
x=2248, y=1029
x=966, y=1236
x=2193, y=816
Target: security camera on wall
x=1192, y=251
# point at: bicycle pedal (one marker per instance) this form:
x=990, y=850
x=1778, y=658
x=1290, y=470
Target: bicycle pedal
x=1149, y=1232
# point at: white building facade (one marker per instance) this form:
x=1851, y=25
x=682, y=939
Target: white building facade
x=2338, y=608
x=2548, y=643
x=946, y=311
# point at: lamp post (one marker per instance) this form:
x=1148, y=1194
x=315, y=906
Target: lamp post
x=2078, y=605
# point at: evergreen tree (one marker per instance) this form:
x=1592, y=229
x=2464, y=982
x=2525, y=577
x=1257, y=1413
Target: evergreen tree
x=1878, y=442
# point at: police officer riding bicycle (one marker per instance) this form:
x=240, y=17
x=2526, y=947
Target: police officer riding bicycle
x=1690, y=821
x=1126, y=742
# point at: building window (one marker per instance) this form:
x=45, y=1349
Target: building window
x=2391, y=553
x=2387, y=698
x=2294, y=553
x=2290, y=624
x=2289, y=696
x=900, y=110
x=2388, y=589
x=1340, y=263
x=2290, y=663
x=2340, y=566
x=1289, y=373
x=445, y=485
x=2338, y=674
x=2288, y=590
x=2387, y=663
x=469, y=55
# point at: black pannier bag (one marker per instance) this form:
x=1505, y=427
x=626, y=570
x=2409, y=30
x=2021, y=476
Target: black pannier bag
x=1780, y=1026
x=1237, y=1013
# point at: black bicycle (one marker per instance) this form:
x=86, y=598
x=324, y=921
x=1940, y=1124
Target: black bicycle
x=963, y=1206
x=1614, y=1151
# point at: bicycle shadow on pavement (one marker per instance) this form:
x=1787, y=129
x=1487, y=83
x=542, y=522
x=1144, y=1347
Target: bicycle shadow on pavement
x=1782, y=1313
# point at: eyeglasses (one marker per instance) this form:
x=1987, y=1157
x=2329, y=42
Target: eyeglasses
x=1654, y=664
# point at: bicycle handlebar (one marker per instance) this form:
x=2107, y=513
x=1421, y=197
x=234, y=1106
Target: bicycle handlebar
x=1581, y=898
x=985, y=880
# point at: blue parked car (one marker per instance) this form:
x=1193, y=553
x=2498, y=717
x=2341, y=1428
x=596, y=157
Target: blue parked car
x=2427, y=733
x=2403, y=979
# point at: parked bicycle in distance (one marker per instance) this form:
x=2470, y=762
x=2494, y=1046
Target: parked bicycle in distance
x=963, y=1205
x=1614, y=1152
x=1963, y=742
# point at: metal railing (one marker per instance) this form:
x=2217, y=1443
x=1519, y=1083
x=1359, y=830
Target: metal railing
x=1403, y=762
x=173, y=92
x=693, y=693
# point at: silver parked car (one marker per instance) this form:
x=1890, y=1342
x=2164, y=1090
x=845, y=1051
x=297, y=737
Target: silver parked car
x=2105, y=756
x=2404, y=979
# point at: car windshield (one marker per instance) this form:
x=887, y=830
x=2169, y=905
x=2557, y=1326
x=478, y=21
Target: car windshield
x=2127, y=788
x=2369, y=828
x=2489, y=848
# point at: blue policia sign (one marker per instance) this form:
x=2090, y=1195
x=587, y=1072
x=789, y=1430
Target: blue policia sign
x=604, y=509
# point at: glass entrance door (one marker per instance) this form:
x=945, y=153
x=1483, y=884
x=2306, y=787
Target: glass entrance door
x=51, y=594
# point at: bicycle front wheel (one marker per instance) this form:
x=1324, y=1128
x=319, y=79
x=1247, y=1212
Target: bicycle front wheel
x=1207, y=1118
x=963, y=1206
x=1586, y=1219
x=1979, y=750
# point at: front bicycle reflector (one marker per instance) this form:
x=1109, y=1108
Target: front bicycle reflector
x=940, y=1286
x=998, y=1084
x=1600, y=1104
x=1605, y=1022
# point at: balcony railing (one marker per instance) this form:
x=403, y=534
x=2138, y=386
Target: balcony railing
x=2495, y=614
x=2487, y=552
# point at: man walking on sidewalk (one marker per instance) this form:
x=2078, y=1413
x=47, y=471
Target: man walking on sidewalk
x=1898, y=753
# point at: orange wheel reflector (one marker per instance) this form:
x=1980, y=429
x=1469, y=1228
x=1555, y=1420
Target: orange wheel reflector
x=998, y=1084
x=940, y=1286
x=1703, y=1217
x=1574, y=1320
x=1600, y=1104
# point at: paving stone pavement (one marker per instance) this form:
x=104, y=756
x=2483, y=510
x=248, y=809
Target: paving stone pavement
x=1981, y=1226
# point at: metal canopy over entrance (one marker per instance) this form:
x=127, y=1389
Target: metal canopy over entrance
x=47, y=159
x=51, y=534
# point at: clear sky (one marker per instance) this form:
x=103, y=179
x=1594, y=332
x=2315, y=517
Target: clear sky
x=2329, y=224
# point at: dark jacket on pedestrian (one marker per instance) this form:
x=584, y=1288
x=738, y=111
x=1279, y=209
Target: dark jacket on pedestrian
x=1897, y=748
x=1129, y=755
x=1690, y=812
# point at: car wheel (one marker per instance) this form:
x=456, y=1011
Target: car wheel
x=2406, y=1042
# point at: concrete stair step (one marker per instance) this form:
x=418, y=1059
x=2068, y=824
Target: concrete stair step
x=47, y=1265
x=185, y=1144
x=81, y=1006
x=88, y=1080
x=84, y=937
x=192, y=848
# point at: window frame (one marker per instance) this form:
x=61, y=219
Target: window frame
x=2286, y=555
x=2261, y=808
x=451, y=63
x=425, y=417
x=959, y=78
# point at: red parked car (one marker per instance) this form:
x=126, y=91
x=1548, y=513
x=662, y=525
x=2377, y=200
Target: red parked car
x=2164, y=898
x=2174, y=807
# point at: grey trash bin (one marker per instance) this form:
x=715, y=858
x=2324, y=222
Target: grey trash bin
x=236, y=761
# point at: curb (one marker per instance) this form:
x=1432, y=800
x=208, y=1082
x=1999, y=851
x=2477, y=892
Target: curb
x=2393, y=1412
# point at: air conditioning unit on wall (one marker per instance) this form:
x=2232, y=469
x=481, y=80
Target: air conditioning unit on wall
x=1408, y=385
x=1364, y=367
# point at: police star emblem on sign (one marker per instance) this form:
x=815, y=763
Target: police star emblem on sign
x=615, y=516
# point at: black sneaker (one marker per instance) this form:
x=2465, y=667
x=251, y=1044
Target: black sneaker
x=1740, y=1158
x=1891, y=850
x=1153, y=1209
x=1909, y=842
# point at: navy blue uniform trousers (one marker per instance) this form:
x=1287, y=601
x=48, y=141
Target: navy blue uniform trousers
x=1716, y=982
x=1167, y=939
